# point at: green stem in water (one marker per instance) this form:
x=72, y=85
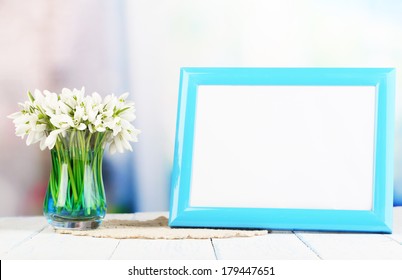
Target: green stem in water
x=75, y=183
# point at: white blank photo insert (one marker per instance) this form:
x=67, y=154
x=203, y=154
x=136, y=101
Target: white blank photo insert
x=307, y=147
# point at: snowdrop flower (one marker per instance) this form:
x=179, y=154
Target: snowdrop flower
x=21, y=122
x=52, y=138
x=50, y=103
x=46, y=116
x=121, y=101
x=121, y=141
x=62, y=121
x=91, y=105
x=128, y=114
x=67, y=97
x=114, y=124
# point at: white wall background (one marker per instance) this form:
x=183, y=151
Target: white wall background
x=166, y=35
x=51, y=44
x=140, y=45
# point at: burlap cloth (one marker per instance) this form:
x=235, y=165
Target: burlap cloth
x=157, y=229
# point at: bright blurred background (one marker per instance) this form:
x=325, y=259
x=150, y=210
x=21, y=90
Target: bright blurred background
x=140, y=45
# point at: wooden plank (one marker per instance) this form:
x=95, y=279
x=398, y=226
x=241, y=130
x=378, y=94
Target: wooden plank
x=397, y=226
x=16, y=243
x=352, y=246
x=50, y=245
x=32, y=238
x=279, y=246
x=187, y=249
x=14, y=231
x=357, y=245
x=123, y=216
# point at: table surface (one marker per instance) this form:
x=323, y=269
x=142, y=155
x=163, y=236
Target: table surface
x=32, y=238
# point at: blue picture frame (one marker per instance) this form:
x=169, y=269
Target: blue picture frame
x=377, y=219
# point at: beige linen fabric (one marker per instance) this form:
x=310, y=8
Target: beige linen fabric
x=157, y=229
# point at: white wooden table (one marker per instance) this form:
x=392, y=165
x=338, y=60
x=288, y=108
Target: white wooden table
x=32, y=238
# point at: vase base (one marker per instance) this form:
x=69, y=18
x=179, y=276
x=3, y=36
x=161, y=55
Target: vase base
x=74, y=224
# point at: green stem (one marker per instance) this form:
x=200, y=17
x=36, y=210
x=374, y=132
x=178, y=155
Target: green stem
x=73, y=185
x=82, y=152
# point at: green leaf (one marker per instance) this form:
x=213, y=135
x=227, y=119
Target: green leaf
x=122, y=110
x=31, y=96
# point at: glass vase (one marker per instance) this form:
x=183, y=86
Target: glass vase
x=75, y=197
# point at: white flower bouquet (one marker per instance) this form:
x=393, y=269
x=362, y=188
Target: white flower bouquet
x=76, y=128
x=44, y=116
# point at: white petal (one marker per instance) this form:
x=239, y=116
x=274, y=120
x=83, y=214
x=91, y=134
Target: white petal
x=92, y=115
x=116, y=130
x=23, y=119
x=82, y=126
x=79, y=112
x=123, y=96
x=21, y=130
x=97, y=99
x=100, y=128
x=66, y=91
x=37, y=92
x=91, y=128
x=14, y=115
x=126, y=125
x=108, y=113
x=107, y=99
x=126, y=144
x=63, y=107
x=129, y=116
x=30, y=138
x=36, y=136
x=42, y=144
x=112, y=148
x=61, y=121
x=39, y=97
x=51, y=139
x=119, y=144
